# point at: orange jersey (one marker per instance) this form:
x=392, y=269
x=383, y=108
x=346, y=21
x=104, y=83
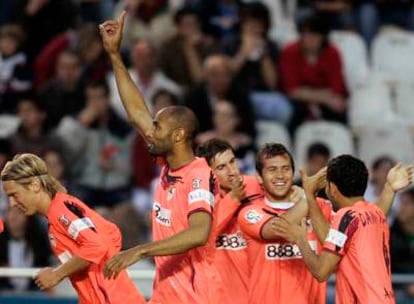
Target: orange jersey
x=231, y=255
x=1, y=226
x=277, y=271
x=360, y=235
x=77, y=230
x=186, y=277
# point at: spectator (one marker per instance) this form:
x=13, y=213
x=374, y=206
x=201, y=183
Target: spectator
x=101, y=171
x=338, y=13
x=32, y=136
x=63, y=95
x=317, y=157
x=146, y=75
x=147, y=19
x=378, y=178
x=312, y=75
x=254, y=63
x=15, y=76
x=218, y=86
x=402, y=240
x=86, y=42
x=182, y=55
x=22, y=244
x=226, y=122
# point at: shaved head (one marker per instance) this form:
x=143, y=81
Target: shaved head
x=181, y=117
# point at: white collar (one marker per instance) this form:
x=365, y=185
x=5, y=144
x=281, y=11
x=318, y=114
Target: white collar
x=279, y=205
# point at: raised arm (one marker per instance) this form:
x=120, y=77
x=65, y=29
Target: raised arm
x=131, y=97
x=398, y=178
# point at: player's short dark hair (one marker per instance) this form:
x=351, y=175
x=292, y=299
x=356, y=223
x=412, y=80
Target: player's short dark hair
x=318, y=148
x=271, y=150
x=185, y=118
x=257, y=11
x=349, y=174
x=212, y=147
x=183, y=12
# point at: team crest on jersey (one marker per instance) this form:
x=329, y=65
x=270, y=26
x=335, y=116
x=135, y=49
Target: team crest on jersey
x=52, y=240
x=162, y=215
x=64, y=220
x=171, y=192
x=196, y=183
x=252, y=216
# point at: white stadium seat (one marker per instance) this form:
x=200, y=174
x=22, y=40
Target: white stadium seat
x=268, y=131
x=334, y=135
x=354, y=57
x=8, y=125
x=404, y=102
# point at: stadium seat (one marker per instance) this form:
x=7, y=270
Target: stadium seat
x=354, y=57
x=334, y=135
x=394, y=140
x=268, y=131
x=404, y=102
x=370, y=105
x=8, y=125
x=392, y=55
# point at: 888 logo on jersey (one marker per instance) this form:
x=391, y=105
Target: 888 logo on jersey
x=233, y=241
x=282, y=252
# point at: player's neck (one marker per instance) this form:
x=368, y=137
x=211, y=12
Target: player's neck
x=44, y=203
x=350, y=201
x=178, y=159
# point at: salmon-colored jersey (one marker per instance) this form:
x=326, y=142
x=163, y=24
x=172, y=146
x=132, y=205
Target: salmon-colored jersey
x=231, y=255
x=360, y=235
x=187, y=277
x=277, y=271
x=77, y=230
x=1, y=226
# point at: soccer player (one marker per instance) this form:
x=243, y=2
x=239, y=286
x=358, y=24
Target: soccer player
x=236, y=190
x=357, y=245
x=277, y=272
x=1, y=226
x=80, y=238
x=184, y=198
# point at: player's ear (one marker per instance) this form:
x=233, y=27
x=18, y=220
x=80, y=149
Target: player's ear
x=35, y=185
x=259, y=178
x=178, y=135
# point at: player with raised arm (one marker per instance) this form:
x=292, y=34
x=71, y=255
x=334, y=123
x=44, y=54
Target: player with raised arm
x=81, y=239
x=184, y=198
x=357, y=245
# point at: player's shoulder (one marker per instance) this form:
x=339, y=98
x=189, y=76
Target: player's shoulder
x=67, y=205
x=323, y=202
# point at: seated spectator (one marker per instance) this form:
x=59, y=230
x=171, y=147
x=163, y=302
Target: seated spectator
x=22, y=244
x=182, y=55
x=378, y=178
x=15, y=76
x=312, y=75
x=101, y=171
x=254, y=63
x=146, y=75
x=402, y=242
x=218, y=86
x=32, y=135
x=226, y=123
x=86, y=42
x=56, y=166
x=147, y=19
x=317, y=157
x=63, y=95
x=338, y=13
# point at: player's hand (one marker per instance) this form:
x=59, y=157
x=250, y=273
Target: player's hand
x=314, y=183
x=47, y=278
x=297, y=194
x=400, y=177
x=290, y=231
x=238, y=189
x=111, y=33
x=121, y=261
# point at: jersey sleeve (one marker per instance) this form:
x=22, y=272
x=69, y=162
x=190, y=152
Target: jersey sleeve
x=74, y=222
x=202, y=187
x=1, y=226
x=252, y=219
x=341, y=231
x=224, y=211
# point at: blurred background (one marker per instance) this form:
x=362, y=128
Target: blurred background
x=322, y=77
